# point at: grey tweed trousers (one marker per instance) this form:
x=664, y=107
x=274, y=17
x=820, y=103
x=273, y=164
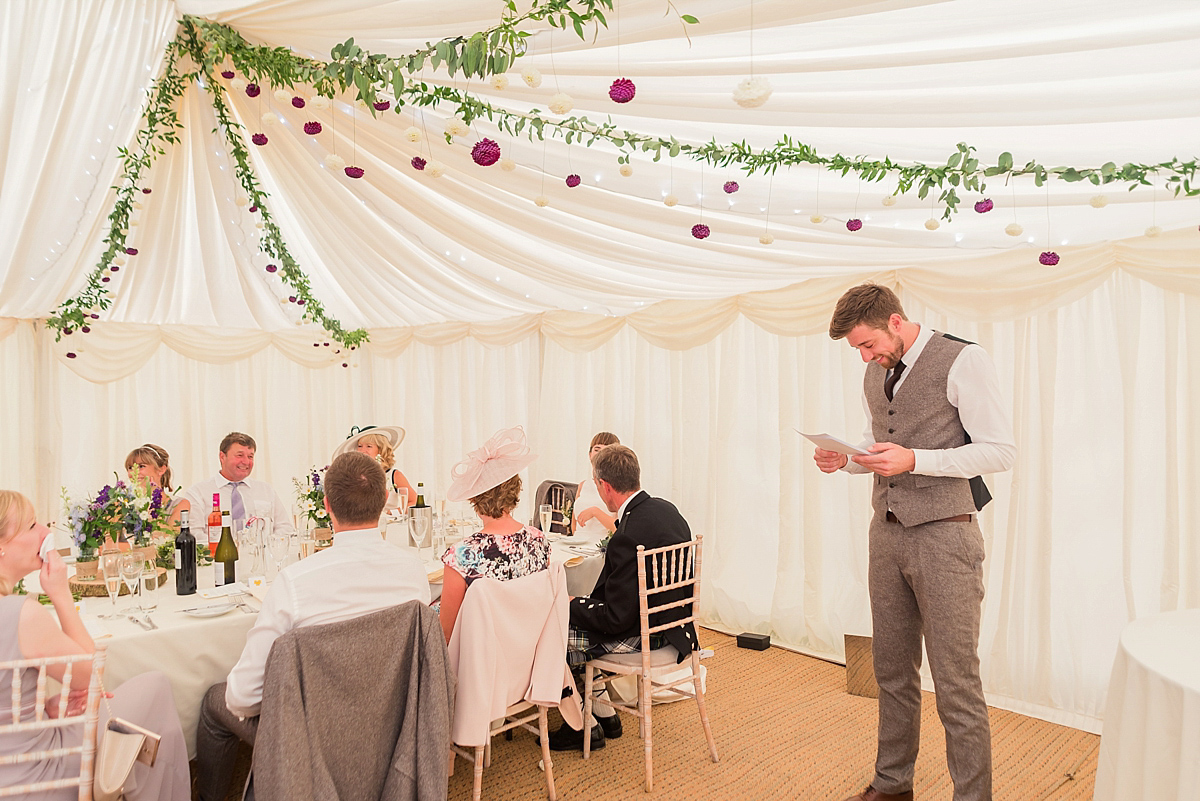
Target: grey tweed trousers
x=927, y=581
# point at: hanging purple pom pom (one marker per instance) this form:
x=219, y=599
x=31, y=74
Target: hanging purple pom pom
x=701, y=231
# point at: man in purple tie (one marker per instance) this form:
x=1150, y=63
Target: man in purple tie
x=240, y=494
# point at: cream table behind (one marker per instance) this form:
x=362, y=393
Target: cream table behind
x=1150, y=745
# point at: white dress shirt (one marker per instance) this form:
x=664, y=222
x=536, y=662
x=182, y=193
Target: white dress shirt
x=255, y=494
x=973, y=388
x=358, y=575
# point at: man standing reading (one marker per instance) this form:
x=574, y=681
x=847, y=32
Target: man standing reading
x=935, y=423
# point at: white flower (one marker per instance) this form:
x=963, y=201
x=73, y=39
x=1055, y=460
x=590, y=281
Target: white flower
x=258, y=225
x=1153, y=231
x=270, y=118
x=335, y=162
x=137, y=204
x=319, y=102
x=670, y=200
x=766, y=239
x=435, y=169
x=626, y=170
x=1098, y=201
x=119, y=261
x=413, y=134
x=500, y=82
x=237, y=85
x=932, y=224
x=507, y=164
x=283, y=96
x=456, y=127
x=1013, y=229
x=561, y=103
x=752, y=92
x=531, y=76
x=890, y=200
x=817, y=218
x=241, y=200
x=542, y=201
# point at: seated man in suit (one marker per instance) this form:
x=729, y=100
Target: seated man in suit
x=359, y=574
x=606, y=621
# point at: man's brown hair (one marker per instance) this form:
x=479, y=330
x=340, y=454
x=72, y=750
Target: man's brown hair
x=871, y=305
x=499, y=499
x=618, y=465
x=356, y=489
x=604, y=438
x=237, y=438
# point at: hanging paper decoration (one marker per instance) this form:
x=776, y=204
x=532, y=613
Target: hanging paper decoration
x=984, y=206
x=853, y=225
x=259, y=139
x=561, y=103
x=500, y=82
x=541, y=201
x=1098, y=201
x=418, y=163
x=1048, y=258
x=382, y=105
x=1014, y=229
x=413, y=134
x=354, y=172
x=312, y=128
x=573, y=180
x=730, y=187
x=485, y=153
x=622, y=90
x=701, y=231
x=531, y=76
x=670, y=200
x=252, y=90
x=335, y=162
x=890, y=200
x=932, y=224
x=752, y=92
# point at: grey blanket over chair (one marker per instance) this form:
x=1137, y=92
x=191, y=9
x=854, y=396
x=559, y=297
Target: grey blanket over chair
x=358, y=710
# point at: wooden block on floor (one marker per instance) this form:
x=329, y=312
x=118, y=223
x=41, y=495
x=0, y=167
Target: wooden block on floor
x=860, y=669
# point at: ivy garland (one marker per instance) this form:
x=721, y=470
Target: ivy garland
x=482, y=54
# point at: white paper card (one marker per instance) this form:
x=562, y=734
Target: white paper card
x=832, y=443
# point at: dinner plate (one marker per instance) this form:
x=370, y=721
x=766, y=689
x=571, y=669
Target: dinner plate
x=216, y=610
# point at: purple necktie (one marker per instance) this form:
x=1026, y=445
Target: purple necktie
x=236, y=506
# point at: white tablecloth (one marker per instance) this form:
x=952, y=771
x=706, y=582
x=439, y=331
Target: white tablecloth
x=1150, y=746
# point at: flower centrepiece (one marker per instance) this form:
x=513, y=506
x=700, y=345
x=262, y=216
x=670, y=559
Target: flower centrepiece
x=310, y=496
x=132, y=511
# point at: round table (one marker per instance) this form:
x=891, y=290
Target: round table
x=1150, y=745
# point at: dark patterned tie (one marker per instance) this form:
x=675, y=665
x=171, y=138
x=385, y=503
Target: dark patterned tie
x=890, y=384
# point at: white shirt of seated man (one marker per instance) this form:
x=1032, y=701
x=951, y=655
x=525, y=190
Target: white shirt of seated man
x=359, y=574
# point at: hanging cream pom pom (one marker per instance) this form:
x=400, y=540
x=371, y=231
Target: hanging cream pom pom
x=817, y=218
x=283, y=96
x=413, y=134
x=270, y=118
x=752, y=92
x=932, y=224
x=561, y=103
x=319, y=102
x=456, y=127
x=766, y=239
x=890, y=200
x=1098, y=201
x=541, y=201
x=626, y=170
x=507, y=164
x=238, y=85
x=241, y=200
x=1013, y=229
x=670, y=200
x=500, y=82
x=1153, y=231
x=335, y=162
x=531, y=76
x=435, y=169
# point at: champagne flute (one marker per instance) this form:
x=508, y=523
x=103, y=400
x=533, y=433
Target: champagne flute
x=149, y=584
x=110, y=569
x=131, y=575
x=546, y=512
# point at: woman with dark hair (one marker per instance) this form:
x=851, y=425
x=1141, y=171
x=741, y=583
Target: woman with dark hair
x=503, y=549
x=592, y=518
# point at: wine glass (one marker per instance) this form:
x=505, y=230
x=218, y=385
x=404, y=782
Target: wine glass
x=110, y=570
x=131, y=575
x=149, y=584
x=280, y=543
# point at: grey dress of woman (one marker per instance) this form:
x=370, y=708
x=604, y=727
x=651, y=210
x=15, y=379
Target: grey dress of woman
x=145, y=700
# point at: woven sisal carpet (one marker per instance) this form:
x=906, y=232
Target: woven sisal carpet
x=785, y=728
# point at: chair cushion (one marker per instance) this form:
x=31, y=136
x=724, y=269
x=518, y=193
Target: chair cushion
x=667, y=655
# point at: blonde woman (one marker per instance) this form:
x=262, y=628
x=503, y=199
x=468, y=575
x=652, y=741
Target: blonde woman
x=30, y=631
x=380, y=443
x=154, y=470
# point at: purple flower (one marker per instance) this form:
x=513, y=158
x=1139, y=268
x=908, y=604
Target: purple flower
x=115, y=268
x=418, y=163
x=297, y=102
x=291, y=298
x=105, y=280
x=131, y=251
x=316, y=479
x=853, y=225
x=70, y=355
x=227, y=74
x=701, y=231
x=253, y=209
x=573, y=180
x=622, y=90
x=383, y=105
x=485, y=153
x=300, y=302
x=146, y=191
x=1048, y=258
x=984, y=206
x=312, y=128
x=156, y=498
x=67, y=331
x=354, y=172
x=94, y=316
x=730, y=187
x=259, y=139
x=252, y=90
x=86, y=329
x=271, y=268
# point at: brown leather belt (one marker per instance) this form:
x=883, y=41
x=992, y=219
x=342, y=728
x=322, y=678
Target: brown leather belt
x=891, y=518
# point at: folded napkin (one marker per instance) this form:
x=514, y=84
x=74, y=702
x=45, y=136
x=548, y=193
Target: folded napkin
x=236, y=588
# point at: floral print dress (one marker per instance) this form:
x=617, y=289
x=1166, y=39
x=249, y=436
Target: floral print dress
x=503, y=557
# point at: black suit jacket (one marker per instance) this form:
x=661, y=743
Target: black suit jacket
x=611, y=609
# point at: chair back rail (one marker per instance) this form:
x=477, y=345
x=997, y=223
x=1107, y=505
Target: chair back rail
x=672, y=567
x=89, y=719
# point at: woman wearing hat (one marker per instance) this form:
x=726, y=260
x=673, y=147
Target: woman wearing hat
x=503, y=549
x=380, y=443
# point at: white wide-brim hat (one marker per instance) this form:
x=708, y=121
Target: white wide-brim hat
x=500, y=458
x=395, y=435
